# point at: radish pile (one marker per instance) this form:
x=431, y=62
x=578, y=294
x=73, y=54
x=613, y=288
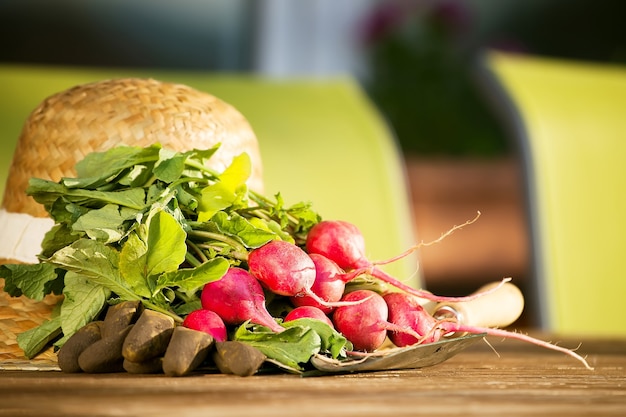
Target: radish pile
x=159, y=229
x=315, y=284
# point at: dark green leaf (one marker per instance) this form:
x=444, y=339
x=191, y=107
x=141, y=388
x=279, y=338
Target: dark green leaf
x=332, y=341
x=63, y=211
x=105, y=224
x=190, y=280
x=56, y=238
x=292, y=347
x=47, y=192
x=188, y=307
x=236, y=225
x=97, y=262
x=34, y=340
x=186, y=199
x=136, y=176
x=82, y=303
x=32, y=280
x=133, y=265
x=170, y=166
x=166, y=244
x=98, y=167
x=203, y=154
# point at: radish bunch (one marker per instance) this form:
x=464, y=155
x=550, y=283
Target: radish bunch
x=163, y=229
x=313, y=278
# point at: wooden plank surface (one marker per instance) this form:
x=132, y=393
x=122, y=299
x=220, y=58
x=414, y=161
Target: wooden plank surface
x=522, y=381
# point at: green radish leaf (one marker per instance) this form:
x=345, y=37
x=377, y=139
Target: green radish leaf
x=188, y=307
x=147, y=255
x=34, y=340
x=82, y=303
x=292, y=347
x=59, y=236
x=170, y=166
x=228, y=190
x=97, y=262
x=332, y=341
x=185, y=198
x=47, y=192
x=64, y=212
x=166, y=244
x=273, y=227
x=98, y=168
x=105, y=224
x=32, y=280
x=190, y=280
x=214, y=198
x=133, y=264
x=135, y=176
x=157, y=193
x=202, y=155
x=253, y=236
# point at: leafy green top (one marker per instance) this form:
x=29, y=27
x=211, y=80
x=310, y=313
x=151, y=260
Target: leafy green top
x=153, y=225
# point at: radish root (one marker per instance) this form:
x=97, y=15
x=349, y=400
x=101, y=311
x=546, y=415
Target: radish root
x=375, y=272
x=332, y=304
x=518, y=336
x=422, y=243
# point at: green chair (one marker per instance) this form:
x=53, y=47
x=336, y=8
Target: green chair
x=569, y=119
x=321, y=141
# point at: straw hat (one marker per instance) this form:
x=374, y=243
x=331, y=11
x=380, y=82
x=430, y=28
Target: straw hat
x=139, y=112
x=97, y=116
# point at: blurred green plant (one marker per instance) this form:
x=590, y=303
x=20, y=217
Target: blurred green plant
x=420, y=77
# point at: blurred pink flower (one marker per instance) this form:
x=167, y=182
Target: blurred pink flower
x=453, y=16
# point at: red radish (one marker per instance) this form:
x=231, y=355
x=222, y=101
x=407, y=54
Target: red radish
x=340, y=241
x=237, y=297
x=285, y=269
x=365, y=324
x=405, y=311
x=308, y=312
x=343, y=243
x=328, y=284
x=206, y=321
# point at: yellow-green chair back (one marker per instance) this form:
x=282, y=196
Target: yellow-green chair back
x=570, y=120
x=321, y=141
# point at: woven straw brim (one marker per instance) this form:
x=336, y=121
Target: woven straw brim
x=67, y=126
x=138, y=112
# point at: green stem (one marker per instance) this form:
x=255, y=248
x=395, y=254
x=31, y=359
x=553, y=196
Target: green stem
x=203, y=234
x=240, y=255
x=193, y=261
x=151, y=181
x=200, y=167
x=260, y=199
x=260, y=213
x=265, y=202
x=180, y=181
x=198, y=251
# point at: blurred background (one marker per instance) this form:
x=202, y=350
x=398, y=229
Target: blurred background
x=414, y=58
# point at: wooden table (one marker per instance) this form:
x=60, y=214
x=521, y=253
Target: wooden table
x=524, y=380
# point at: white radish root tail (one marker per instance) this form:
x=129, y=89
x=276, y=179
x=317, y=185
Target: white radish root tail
x=518, y=336
x=427, y=295
x=334, y=304
x=422, y=243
